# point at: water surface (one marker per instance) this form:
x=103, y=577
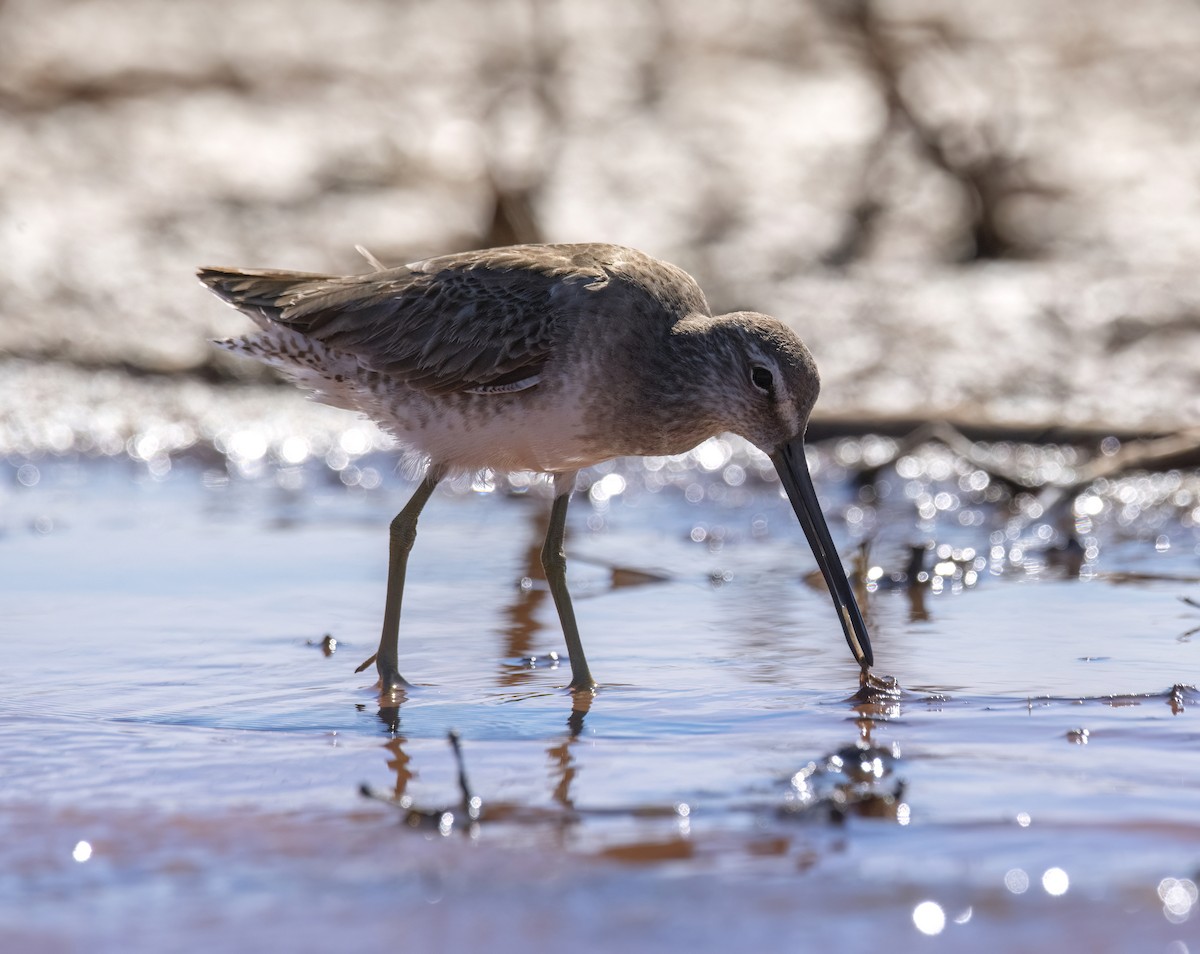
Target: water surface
x=182, y=760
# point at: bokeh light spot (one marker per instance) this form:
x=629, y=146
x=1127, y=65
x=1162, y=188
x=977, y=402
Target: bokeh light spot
x=929, y=917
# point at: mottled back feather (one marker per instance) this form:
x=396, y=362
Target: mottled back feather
x=467, y=321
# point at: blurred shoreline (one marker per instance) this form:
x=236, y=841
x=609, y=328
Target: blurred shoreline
x=983, y=216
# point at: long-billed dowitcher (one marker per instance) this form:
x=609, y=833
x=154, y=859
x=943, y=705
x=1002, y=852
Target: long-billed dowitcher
x=544, y=358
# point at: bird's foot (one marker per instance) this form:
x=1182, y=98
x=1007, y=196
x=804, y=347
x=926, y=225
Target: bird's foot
x=583, y=684
x=390, y=681
x=392, y=684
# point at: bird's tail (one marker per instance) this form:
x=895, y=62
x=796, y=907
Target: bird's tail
x=265, y=297
x=261, y=294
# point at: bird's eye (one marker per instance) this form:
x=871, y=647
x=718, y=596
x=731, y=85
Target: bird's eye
x=762, y=379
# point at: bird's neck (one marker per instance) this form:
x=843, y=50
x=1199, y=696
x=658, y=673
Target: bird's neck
x=680, y=394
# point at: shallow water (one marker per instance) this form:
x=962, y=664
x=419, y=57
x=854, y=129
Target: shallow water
x=182, y=760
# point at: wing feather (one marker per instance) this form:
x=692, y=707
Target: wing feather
x=459, y=322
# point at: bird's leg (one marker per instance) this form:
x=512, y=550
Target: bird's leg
x=554, y=562
x=403, y=532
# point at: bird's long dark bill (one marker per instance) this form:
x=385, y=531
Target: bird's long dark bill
x=793, y=471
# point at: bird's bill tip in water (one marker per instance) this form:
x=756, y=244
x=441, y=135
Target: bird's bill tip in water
x=790, y=462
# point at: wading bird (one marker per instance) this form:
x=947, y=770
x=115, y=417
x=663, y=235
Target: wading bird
x=545, y=358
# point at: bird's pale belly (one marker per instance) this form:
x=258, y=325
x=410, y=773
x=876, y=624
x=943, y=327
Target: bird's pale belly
x=522, y=431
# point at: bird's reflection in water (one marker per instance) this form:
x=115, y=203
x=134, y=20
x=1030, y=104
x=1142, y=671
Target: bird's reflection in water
x=399, y=764
x=388, y=713
x=859, y=780
x=562, y=762
x=465, y=815
x=522, y=613
x=469, y=811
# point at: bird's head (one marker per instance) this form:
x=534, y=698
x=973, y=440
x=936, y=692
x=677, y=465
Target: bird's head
x=773, y=380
